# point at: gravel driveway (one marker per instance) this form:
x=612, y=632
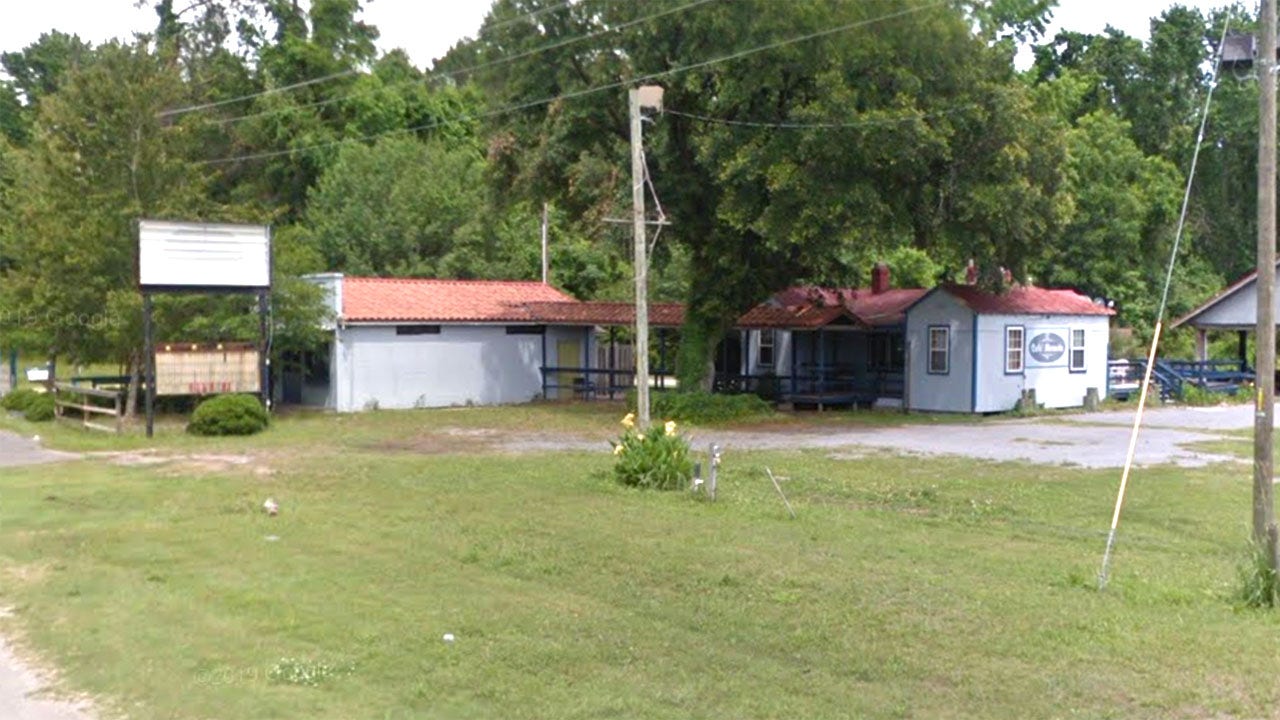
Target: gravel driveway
x=1095, y=440
x=17, y=450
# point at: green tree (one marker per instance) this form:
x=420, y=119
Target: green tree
x=905, y=128
x=99, y=159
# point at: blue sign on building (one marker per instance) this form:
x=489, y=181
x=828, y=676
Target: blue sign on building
x=1047, y=348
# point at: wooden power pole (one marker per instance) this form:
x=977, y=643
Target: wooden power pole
x=648, y=96
x=545, y=264
x=1264, y=521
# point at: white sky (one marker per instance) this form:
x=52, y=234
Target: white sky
x=427, y=28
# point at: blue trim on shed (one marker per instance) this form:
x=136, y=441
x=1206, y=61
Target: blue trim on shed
x=973, y=369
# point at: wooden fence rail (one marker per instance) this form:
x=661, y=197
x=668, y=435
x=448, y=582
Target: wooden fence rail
x=80, y=398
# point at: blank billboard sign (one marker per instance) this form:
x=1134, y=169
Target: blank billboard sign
x=181, y=255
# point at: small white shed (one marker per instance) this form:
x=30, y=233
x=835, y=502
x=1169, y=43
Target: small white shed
x=974, y=351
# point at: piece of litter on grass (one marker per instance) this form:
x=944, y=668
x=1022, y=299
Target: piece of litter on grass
x=271, y=538
x=448, y=637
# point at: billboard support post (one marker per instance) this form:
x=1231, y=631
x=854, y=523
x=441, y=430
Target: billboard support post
x=264, y=347
x=149, y=373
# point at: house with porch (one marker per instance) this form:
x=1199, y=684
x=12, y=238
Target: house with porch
x=830, y=346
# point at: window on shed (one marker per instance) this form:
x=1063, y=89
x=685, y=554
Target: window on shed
x=765, y=358
x=1077, y=350
x=526, y=329
x=417, y=329
x=939, y=349
x=1013, y=344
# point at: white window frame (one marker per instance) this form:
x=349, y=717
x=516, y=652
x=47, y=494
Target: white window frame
x=772, y=345
x=1073, y=347
x=944, y=332
x=1018, y=367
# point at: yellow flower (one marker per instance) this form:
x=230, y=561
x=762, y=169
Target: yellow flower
x=617, y=449
x=629, y=421
x=670, y=427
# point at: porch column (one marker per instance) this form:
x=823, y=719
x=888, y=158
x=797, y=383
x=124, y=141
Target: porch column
x=613, y=358
x=822, y=365
x=1202, y=344
x=1244, y=347
x=792, y=339
x=544, y=364
x=662, y=358
x=589, y=339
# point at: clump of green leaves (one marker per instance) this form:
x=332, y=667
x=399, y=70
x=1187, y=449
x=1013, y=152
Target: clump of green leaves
x=1259, y=584
x=35, y=406
x=657, y=458
x=229, y=415
x=40, y=408
x=708, y=408
x=1193, y=394
x=19, y=399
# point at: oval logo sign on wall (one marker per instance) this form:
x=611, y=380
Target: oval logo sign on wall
x=1047, y=347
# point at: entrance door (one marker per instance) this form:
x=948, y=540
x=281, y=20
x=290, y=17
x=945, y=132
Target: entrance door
x=568, y=355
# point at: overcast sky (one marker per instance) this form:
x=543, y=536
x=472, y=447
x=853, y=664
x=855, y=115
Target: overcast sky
x=427, y=28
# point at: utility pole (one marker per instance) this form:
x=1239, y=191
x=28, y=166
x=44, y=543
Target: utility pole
x=647, y=96
x=1264, y=521
x=544, y=243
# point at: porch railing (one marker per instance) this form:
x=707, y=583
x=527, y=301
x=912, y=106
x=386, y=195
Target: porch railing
x=594, y=383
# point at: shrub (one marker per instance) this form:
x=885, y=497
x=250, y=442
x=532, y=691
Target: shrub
x=1259, y=587
x=1193, y=394
x=656, y=459
x=18, y=399
x=39, y=408
x=228, y=415
x=705, y=408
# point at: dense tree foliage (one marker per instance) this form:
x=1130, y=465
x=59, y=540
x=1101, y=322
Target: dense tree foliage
x=802, y=142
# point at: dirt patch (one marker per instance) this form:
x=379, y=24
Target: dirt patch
x=194, y=464
x=450, y=441
x=24, y=574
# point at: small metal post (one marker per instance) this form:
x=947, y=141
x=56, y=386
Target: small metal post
x=714, y=468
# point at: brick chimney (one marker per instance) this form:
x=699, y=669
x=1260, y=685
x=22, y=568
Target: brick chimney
x=879, y=278
x=971, y=273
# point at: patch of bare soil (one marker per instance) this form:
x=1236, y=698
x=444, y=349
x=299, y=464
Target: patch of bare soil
x=189, y=464
x=448, y=441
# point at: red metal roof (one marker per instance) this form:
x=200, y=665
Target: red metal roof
x=594, y=312
x=1021, y=300
x=816, y=306
x=422, y=300
x=507, y=301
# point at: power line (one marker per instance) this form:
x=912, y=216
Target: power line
x=787, y=125
x=472, y=68
x=263, y=93
x=528, y=15
x=332, y=76
x=587, y=91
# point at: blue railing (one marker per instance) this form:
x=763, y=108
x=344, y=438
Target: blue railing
x=1124, y=377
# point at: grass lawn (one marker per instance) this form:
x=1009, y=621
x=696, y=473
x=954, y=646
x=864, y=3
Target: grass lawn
x=905, y=587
